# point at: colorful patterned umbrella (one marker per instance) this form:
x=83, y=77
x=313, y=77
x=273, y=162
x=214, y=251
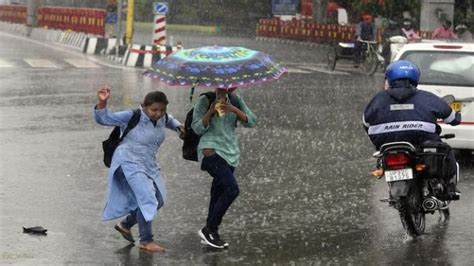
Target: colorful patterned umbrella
x=215, y=66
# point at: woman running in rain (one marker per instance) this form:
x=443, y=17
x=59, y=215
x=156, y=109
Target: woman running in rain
x=135, y=186
x=219, y=153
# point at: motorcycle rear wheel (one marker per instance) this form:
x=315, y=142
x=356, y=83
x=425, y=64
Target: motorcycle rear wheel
x=412, y=215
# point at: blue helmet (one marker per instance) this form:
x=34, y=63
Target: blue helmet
x=402, y=70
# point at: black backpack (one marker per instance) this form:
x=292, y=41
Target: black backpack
x=191, y=139
x=109, y=145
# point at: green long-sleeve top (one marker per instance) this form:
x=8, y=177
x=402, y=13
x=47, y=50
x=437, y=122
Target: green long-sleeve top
x=220, y=133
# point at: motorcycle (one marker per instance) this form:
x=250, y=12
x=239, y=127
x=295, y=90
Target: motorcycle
x=416, y=181
x=395, y=43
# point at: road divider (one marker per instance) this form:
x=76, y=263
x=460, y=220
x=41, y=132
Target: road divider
x=134, y=55
x=97, y=45
x=145, y=55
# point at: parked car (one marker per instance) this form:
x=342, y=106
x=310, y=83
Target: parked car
x=448, y=69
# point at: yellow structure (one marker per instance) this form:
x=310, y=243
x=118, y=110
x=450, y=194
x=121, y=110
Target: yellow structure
x=129, y=30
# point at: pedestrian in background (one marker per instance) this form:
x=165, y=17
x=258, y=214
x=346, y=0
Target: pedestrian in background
x=463, y=33
x=219, y=154
x=444, y=31
x=135, y=185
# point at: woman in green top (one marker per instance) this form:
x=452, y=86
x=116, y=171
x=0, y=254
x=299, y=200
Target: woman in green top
x=219, y=153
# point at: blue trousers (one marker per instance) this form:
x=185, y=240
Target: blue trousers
x=224, y=189
x=144, y=228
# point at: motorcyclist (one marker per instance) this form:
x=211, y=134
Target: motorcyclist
x=391, y=30
x=409, y=31
x=463, y=33
x=444, y=32
x=401, y=112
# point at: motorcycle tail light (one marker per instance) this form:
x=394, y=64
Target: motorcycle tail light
x=396, y=160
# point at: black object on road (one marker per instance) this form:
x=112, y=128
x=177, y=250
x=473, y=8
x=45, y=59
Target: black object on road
x=38, y=230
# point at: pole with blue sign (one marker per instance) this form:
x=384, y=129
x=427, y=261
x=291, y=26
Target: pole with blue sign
x=160, y=9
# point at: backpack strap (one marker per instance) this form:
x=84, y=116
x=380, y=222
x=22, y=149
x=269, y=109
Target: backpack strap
x=132, y=122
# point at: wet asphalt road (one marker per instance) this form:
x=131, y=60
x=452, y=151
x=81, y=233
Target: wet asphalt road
x=306, y=196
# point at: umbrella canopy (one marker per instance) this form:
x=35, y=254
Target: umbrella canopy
x=216, y=66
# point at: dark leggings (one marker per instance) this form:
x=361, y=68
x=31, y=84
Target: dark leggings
x=224, y=189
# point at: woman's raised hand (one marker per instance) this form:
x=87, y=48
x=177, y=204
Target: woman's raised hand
x=103, y=94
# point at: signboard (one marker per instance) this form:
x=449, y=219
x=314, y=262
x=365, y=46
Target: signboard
x=111, y=18
x=285, y=7
x=160, y=8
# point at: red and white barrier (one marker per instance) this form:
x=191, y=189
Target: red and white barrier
x=159, y=31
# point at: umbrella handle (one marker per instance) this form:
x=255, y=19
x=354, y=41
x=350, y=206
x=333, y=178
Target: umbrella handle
x=191, y=95
x=192, y=91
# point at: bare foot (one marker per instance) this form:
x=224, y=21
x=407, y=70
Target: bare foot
x=151, y=246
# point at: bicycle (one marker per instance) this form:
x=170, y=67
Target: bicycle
x=370, y=58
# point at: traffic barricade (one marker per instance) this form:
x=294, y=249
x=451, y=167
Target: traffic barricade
x=13, y=13
x=425, y=34
x=145, y=55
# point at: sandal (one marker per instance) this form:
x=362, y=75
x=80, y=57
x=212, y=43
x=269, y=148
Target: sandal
x=124, y=232
x=151, y=246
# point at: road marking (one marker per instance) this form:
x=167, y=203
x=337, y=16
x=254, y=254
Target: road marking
x=81, y=63
x=5, y=64
x=297, y=70
x=65, y=49
x=41, y=63
x=325, y=70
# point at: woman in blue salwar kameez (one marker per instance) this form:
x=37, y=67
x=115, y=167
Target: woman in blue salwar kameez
x=136, y=188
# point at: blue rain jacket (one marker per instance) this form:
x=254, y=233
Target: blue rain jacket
x=136, y=155
x=406, y=114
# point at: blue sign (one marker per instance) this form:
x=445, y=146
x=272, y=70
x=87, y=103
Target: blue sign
x=285, y=7
x=160, y=8
x=111, y=18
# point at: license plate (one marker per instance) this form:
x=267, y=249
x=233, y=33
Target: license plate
x=456, y=106
x=397, y=175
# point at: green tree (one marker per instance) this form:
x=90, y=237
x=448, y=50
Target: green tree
x=388, y=8
x=463, y=13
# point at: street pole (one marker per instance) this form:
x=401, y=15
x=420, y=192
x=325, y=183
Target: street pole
x=31, y=6
x=130, y=18
x=119, y=26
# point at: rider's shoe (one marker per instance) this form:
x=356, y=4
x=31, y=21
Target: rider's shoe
x=389, y=200
x=453, y=192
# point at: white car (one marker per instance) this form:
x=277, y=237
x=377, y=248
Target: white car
x=447, y=68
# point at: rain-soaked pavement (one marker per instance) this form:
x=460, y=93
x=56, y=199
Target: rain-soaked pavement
x=306, y=196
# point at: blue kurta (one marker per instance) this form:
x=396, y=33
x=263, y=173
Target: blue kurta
x=136, y=155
